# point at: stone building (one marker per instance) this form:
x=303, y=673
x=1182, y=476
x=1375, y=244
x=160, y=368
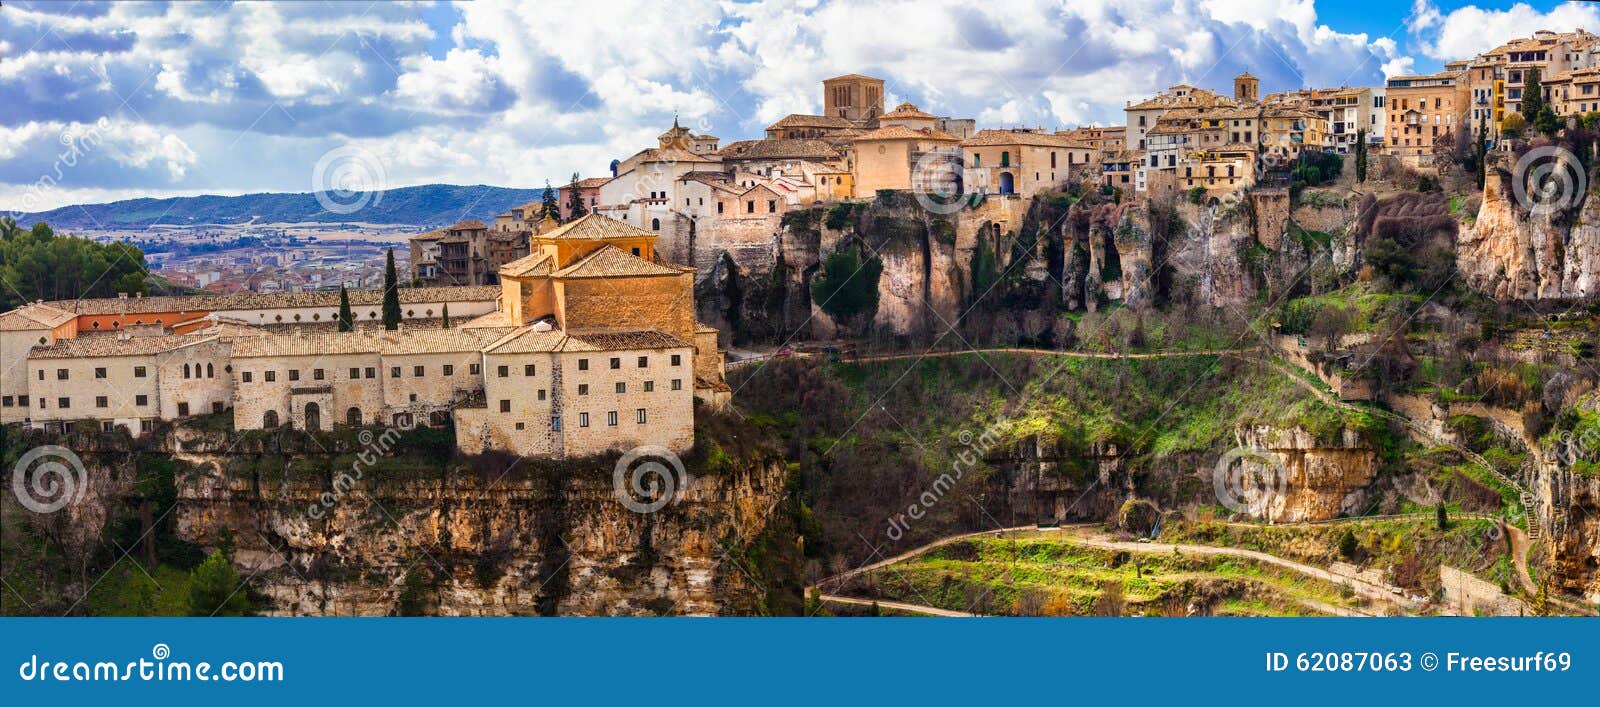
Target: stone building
x=895, y=157
x=1022, y=162
x=856, y=98
x=589, y=344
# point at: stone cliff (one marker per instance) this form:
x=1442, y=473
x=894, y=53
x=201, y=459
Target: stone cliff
x=346, y=524
x=1512, y=253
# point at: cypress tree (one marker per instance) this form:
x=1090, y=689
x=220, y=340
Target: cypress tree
x=1361, y=155
x=552, y=208
x=575, y=200
x=1532, y=96
x=346, y=319
x=391, y=296
x=446, y=323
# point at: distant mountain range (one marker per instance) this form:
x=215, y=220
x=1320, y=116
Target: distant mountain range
x=427, y=205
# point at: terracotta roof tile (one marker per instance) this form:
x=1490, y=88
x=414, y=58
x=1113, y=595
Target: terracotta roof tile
x=594, y=226
x=779, y=149
x=611, y=261
x=901, y=132
x=276, y=300
x=34, y=316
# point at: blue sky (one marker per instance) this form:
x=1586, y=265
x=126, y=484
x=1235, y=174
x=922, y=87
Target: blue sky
x=188, y=98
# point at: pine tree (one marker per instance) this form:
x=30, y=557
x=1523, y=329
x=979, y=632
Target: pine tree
x=1532, y=96
x=445, y=324
x=1443, y=517
x=575, y=207
x=215, y=589
x=1481, y=151
x=551, y=207
x=391, y=296
x=346, y=319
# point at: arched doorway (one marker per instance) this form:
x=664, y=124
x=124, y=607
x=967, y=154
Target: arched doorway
x=313, y=416
x=270, y=419
x=1008, y=184
x=352, y=417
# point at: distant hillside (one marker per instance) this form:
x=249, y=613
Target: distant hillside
x=426, y=205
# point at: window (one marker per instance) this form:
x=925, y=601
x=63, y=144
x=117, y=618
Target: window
x=649, y=386
x=61, y=374
x=107, y=425
x=394, y=371
x=719, y=207
x=355, y=373
x=449, y=370
x=63, y=403
x=541, y=393
x=316, y=373
x=41, y=374
x=245, y=376
x=583, y=364
x=372, y=372
x=677, y=359
x=583, y=419
x=183, y=408
x=5, y=401
x=100, y=401
x=505, y=406
x=141, y=400
x=640, y=411
x=521, y=425
x=210, y=371
x=644, y=361
x=216, y=406
x=555, y=423
x=146, y=425
x=185, y=370
x=271, y=376
x=677, y=384
x=138, y=371
x=611, y=418
x=294, y=374
x=750, y=206
x=416, y=371
x=474, y=368
x=772, y=205
x=99, y=373
x=622, y=387
x=583, y=389
x=22, y=401
x=616, y=363
x=527, y=370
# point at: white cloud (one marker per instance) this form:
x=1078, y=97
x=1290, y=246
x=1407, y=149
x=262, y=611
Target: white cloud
x=1470, y=30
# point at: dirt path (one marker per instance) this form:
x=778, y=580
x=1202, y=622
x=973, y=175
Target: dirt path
x=899, y=606
x=1084, y=534
x=1519, y=557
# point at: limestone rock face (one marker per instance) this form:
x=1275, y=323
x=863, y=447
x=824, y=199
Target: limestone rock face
x=1512, y=254
x=1567, y=505
x=323, y=535
x=1321, y=479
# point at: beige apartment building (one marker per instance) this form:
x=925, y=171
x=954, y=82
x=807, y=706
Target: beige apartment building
x=1420, y=111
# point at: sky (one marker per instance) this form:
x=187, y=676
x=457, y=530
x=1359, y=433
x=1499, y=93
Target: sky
x=109, y=100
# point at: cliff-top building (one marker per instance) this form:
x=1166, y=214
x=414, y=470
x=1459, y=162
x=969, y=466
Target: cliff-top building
x=588, y=344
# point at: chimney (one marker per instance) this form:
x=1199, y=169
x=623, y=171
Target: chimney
x=122, y=295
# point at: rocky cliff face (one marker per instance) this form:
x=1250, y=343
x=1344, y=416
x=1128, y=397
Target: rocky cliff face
x=1511, y=253
x=340, y=525
x=1567, y=505
x=1320, y=478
